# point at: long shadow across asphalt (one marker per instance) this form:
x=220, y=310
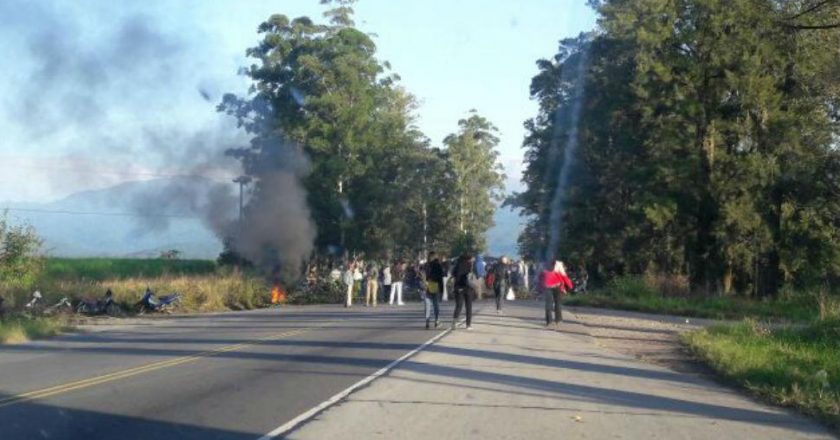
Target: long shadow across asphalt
x=33, y=420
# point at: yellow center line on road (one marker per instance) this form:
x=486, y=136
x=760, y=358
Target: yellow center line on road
x=122, y=374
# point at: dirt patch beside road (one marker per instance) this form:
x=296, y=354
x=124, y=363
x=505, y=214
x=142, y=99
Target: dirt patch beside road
x=647, y=337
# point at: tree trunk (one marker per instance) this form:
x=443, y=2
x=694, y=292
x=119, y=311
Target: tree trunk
x=703, y=269
x=772, y=271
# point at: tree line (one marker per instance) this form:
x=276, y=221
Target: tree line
x=708, y=144
x=375, y=184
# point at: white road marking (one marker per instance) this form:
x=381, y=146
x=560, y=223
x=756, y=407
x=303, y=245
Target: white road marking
x=291, y=424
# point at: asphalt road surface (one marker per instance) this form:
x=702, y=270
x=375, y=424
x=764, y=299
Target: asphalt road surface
x=245, y=375
x=226, y=376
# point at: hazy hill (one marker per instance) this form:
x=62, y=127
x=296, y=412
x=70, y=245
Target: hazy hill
x=104, y=223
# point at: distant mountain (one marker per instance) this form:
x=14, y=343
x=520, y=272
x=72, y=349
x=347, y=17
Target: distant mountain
x=104, y=222
x=501, y=238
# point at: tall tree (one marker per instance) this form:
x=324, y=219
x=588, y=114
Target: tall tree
x=322, y=87
x=708, y=138
x=479, y=178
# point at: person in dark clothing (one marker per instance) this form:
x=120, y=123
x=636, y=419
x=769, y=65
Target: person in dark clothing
x=434, y=288
x=501, y=281
x=463, y=273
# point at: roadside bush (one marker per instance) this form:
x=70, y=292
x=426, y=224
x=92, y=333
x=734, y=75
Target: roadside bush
x=324, y=291
x=668, y=284
x=20, y=265
x=630, y=287
x=17, y=330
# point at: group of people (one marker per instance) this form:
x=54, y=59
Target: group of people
x=469, y=275
x=372, y=279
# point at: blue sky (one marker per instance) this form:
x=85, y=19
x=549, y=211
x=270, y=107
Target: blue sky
x=83, y=106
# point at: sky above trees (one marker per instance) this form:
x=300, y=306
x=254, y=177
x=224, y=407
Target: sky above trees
x=103, y=93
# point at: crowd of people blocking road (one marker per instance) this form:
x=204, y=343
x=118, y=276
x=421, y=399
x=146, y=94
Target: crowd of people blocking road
x=468, y=275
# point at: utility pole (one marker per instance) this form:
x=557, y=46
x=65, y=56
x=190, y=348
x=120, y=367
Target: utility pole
x=242, y=181
x=425, y=230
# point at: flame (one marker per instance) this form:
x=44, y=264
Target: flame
x=278, y=295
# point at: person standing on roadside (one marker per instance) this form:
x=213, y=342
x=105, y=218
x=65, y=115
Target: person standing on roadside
x=447, y=274
x=371, y=285
x=501, y=282
x=434, y=288
x=463, y=274
x=349, y=281
x=398, y=278
x=386, y=281
x=554, y=283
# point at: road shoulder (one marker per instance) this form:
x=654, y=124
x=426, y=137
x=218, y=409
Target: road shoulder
x=512, y=378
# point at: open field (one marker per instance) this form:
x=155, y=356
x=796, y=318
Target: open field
x=117, y=268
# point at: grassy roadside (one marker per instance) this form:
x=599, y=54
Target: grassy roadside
x=795, y=367
x=643, y=294
x=17, y=330
x=714, y=308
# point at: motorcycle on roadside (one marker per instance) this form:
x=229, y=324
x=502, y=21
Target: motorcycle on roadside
x=151, y=303
x=100, y=306
x=37, y=306
x=63, y=306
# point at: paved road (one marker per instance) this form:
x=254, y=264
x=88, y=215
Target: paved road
x=241, y=375
x=510, y=378
x=228, y=376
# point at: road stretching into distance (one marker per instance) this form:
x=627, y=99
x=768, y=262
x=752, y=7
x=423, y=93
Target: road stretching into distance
x=226, y=376
x=322, y=372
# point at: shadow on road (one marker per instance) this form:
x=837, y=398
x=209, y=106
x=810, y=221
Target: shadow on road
x=34, y=420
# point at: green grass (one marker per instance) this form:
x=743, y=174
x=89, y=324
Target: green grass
x=802, y=309
x=19, y=329
x=643, y=295
x=121, y=268
x=797, y=367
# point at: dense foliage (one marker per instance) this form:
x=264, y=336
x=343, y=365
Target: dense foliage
x=20, y=263
x=707, y=136
x=374, y=183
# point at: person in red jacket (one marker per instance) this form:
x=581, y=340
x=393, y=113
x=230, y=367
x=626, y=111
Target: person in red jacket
x=554, y=283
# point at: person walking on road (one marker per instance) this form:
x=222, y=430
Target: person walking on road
x=447, y=274
x=371, y=285
x=397, y=281
x=464, y=277
x=480, y=270
x=501, y=282
x=349, y=281
x=434, y=288
x=554, y=283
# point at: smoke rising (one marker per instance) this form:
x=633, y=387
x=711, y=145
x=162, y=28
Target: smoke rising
x=276, y=231
x=125, y=96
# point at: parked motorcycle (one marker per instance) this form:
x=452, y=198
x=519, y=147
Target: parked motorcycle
x=580, y=284
x=62, y=306
x=102, y=306
x=151, y=303
x=37, y=306
x=35, y=302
